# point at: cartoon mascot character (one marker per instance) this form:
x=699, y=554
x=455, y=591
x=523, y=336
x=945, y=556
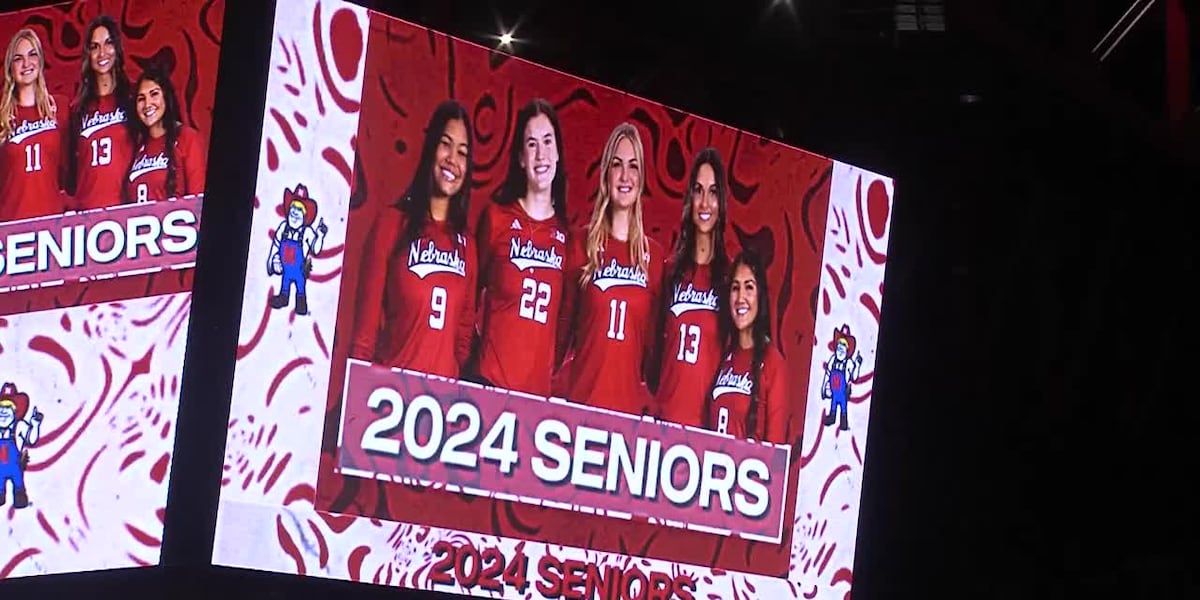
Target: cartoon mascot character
x=839, y=372
x=296, y=242
x=16, y=436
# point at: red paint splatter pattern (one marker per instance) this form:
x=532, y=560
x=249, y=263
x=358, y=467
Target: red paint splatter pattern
x=826, y=521
x=97, y=477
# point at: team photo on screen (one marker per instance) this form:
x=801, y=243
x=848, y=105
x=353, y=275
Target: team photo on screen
x=105, y=113
x=508, y=332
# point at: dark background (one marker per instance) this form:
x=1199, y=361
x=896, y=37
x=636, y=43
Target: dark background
x=1029, y=434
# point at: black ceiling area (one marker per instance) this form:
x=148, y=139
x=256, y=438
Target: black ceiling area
x=1030, y=427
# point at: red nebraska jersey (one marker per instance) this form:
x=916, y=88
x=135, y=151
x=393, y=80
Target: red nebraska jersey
x=521, y=267
x=148, y=174
x=102, y=154
x=691, y=348
x=30, y=162
x=613, y=326
x=416, y=304
x=730, y=402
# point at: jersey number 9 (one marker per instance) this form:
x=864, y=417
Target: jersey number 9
x=437, y=306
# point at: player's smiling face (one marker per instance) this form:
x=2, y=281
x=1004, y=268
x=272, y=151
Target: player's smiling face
x=26, y=64
x=7, y=416
x=450, y=160
x=624, y=175
x=539, y=156
x=743, y=298
x=150, y=103
x=840, y=352
x=704, y=200
x=102, y=54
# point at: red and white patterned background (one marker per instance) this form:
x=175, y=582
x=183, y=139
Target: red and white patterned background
x=278, y=416
x=106, y=379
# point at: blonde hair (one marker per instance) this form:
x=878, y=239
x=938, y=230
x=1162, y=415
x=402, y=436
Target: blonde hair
x=600, y=226
x=8, y=102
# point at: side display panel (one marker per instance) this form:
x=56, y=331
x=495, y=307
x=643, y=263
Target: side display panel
x=508, y=332
x=105, y=113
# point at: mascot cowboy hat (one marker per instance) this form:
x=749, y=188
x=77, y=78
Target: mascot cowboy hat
x=18, y=401
x=298, y=197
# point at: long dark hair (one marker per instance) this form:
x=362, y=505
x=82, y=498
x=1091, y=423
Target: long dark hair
x=172, y=121
x=416, y=199
x=761, y=328
x=515, y=182
x=684, y=253
x=88, y=91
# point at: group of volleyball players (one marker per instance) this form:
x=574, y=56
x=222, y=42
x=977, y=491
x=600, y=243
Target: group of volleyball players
x=116, y=142
x=603, y=316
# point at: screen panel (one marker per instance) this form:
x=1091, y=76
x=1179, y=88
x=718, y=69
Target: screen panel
x=100, y=200
x=405, y=424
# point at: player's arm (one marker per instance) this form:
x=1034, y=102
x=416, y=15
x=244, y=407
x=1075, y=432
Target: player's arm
x=466, y=316
x=778, y=402
x=194, y=164
x=368, y=299
x=483, y=251
x=568, y=312
x=67, y=142
x=483, y=255
x=650, y=328
x=658, y=330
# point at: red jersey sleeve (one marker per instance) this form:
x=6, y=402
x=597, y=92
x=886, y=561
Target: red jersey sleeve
x=483, y=246
x=62, y=119
x=372, y=277
x=483, y=265
x=466, y=317
x=659, y=332
x=652, y=325
x=194, y=157
x=778, y=402
x=576, y=257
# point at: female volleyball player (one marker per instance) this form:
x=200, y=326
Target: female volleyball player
x=101, y=140
x=690, y=339
x=170, y=156
x=613, y=287
x=749, y=397
x=522, y=237
x=32, y=124
x=416, y=296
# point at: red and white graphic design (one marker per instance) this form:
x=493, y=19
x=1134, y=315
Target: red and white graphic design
x=120, y=241
x=105, y=378
x=823, y=235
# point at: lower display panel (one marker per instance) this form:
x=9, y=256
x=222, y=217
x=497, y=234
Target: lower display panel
x=93, y=393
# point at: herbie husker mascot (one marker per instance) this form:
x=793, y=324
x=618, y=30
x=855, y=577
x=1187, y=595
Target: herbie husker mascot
x=839, y=372
x=295, y=243
x=16, y=436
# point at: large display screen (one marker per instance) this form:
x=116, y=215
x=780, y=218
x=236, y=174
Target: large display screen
x=105, y=114
x=511, y=333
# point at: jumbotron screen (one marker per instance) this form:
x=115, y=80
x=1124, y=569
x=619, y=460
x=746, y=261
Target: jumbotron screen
x=514, y=334
x=105, y=115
